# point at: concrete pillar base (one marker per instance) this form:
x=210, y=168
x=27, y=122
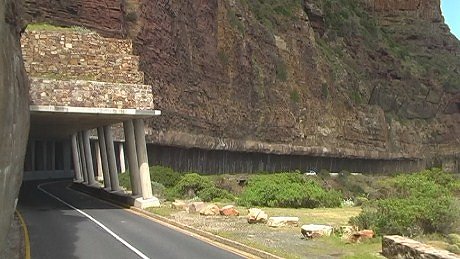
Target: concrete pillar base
x=95, y=185
x=147, y=203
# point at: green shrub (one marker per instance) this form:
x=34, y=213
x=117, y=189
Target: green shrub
x=412, y=204
x=213, y=193
x=287, y=190
x=295, y=96
x=164, y=175
x=191, y=184
x=454, y=249
x=125, y=181
x=158, y=189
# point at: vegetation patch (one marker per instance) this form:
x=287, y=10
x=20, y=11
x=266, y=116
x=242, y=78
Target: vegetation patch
x=287, y=190
x=51, y=27
x=413, y=204
x=273, y=13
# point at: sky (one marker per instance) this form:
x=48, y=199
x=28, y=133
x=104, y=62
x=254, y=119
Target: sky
x=451, y=12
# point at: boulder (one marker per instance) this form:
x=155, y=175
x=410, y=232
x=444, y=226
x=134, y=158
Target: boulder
x=179, y=205
x=257, y=216
x=315, y=231
x=361, y=235
x=346, y=231
x=210, y=210
x=283, y=221
x=229, y=210
x=195, y=207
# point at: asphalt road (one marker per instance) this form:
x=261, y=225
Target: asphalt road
x=59, y=231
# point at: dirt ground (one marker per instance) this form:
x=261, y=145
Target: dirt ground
x=286, y=241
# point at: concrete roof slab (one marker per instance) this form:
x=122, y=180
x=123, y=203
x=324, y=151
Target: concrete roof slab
x=59, y=122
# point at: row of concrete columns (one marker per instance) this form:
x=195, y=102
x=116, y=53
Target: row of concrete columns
x=136, y=152
x=42, y=155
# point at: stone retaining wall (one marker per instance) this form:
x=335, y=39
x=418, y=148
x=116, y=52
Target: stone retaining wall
x=80, y=93
x=402, y=247
x=80, y=54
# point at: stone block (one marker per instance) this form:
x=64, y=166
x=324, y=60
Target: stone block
x=283, y=221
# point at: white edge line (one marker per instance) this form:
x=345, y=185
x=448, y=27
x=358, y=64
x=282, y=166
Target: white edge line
x=121, y=240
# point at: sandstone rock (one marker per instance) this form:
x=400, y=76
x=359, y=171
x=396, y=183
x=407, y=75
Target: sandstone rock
x=210, y=210
x=361, y=235
x=282, y=221
x=196, y=207
x=179, y=205
x=315, y=231
x=229, y=210
x=346, y=231
x=257, y=216
x=402, y=247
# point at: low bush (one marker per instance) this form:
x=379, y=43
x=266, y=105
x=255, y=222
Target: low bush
x=164, y=175
x=287, y=190
x=158, y=189
x=412, y=204
x=192, y=183
x=213, y=193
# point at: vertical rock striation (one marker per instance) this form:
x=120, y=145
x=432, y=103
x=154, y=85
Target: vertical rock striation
x=14, y=113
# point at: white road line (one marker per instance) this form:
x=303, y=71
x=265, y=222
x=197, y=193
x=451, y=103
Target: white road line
x=121, y=240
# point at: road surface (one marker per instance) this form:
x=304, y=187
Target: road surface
x=64, y=223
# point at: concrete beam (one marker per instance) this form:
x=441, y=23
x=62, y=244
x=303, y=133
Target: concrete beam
x=59, y=122
x=82, y=157
x=104, y=161
x=121, y=154
x=114, y=183
x=98, y=162
x=76, y=159
x=89, y=158
x=142, y=158
x=132, y=157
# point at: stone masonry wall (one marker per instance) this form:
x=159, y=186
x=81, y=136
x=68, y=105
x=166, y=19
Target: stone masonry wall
x=90, y=94
x=83, y=55
x=402, y=247
x=76, y=67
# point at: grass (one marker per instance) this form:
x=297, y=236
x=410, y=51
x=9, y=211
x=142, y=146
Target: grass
x=50, y=27
x=164, y=211
x=284, y=242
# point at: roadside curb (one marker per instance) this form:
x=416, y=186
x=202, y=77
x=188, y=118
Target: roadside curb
x=124, y=201
x=25, y=235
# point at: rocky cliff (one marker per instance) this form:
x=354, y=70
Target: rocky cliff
x=368, y=78
x=14, y=114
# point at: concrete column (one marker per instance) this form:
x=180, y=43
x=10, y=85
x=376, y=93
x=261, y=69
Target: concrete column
x=122, y=158
x=66, y=157
x=32, y=155
x=132, y=157
x=142, y=159
x=98, y=162
x=76, y=159
x=115, y=185
x=45, y=155
x=82, y=157
x=89, y=158
x=104, y=161
x=53, y=155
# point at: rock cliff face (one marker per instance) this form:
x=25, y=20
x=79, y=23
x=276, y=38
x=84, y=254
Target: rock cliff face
x=14, y=114
x=107, y=17
x=351, y=76
x=343, y=78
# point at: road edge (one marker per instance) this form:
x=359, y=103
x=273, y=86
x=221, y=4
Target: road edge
x=25, y=232
x=123, y=202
